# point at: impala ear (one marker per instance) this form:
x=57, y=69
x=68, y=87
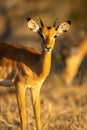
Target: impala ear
x=32, y=25
x=63, y=27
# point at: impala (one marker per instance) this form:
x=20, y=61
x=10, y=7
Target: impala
x=28, y=68
x=73, y=61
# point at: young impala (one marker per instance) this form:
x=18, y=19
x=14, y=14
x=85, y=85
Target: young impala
x=27, y=67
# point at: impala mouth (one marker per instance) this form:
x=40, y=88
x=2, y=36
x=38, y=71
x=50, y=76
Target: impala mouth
x=47, y=49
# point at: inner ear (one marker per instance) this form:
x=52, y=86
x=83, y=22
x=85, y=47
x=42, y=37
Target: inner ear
x=63, y=27
x=32, y=25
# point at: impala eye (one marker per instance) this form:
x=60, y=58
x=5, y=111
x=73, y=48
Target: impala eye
x=41, y=35
x=54, y=35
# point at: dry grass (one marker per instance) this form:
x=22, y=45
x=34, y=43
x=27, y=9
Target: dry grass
x=62, y=107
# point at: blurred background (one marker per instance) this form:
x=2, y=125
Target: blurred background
x=61, y=104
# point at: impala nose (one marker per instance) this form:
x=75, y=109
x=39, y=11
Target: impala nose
x=47, y=49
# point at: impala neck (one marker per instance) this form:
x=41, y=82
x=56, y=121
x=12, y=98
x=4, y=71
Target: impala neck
x=45, y=63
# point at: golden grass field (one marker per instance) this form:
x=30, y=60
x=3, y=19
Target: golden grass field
x=62, y=107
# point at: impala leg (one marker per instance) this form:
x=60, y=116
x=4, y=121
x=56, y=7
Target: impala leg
x=21, y=105
x=35, y=96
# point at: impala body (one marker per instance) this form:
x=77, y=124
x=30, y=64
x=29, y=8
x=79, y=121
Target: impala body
x=27, y=67
x=15, y=65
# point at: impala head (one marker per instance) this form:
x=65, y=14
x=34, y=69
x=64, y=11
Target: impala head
x=48, y=34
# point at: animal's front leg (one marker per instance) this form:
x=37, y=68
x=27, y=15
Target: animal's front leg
x=20, y=92
x=35, y=96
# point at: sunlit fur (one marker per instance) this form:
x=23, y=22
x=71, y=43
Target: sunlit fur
x=27, y=68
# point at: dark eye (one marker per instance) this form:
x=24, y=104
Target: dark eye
x=41, y=35
x=55, y=36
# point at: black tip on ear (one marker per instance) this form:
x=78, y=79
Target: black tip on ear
x=69, y=22
x=28, y=19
